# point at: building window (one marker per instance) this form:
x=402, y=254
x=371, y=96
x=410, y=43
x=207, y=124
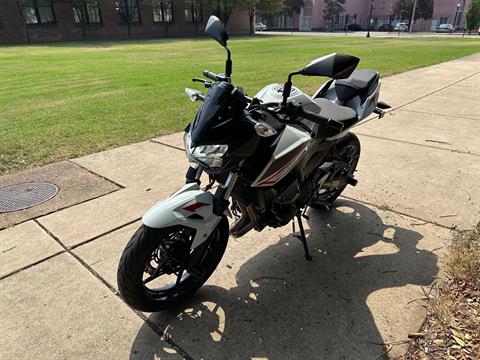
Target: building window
x=337, y=19
x=38, y=12
x=86, y=12
x=128, y=10
x=443, y=20
x=163, y=11
x=193, y=10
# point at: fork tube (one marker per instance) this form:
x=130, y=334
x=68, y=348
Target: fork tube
x=229, y=184
x=198, y=174
x=224, y=191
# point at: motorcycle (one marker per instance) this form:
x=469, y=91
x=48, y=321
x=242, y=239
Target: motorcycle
x=272, y=156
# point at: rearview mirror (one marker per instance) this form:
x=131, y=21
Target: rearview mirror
x=335, y=66
x=216, y=30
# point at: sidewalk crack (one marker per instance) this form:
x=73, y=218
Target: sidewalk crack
x=383, y=208
x=165, y=144
x=92, y=271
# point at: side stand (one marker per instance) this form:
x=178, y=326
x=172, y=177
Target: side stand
x=301, y=236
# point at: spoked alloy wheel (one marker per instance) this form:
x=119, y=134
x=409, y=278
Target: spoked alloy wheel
x=156, y=271
x=348, y=151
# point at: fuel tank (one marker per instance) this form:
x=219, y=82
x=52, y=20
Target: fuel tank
x=273, y=93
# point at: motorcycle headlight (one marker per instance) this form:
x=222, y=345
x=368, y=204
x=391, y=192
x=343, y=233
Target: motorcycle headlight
x=206, y=155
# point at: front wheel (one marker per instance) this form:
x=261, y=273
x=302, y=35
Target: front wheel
x=158, y=268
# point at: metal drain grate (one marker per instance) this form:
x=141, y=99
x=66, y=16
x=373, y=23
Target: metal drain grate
x=24, y=196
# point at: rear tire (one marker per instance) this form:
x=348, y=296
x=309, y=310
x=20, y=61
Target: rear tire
x=348, y=149
x=138, y=253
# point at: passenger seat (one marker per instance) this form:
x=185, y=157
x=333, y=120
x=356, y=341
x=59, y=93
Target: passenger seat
x=362, y=83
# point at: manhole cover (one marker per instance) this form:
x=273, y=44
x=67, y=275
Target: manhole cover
x=23, y=196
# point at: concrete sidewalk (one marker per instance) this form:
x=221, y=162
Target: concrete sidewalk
x=418, y=180
x=379, y=34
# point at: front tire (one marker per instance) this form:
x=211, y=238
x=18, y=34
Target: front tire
x=136, y=263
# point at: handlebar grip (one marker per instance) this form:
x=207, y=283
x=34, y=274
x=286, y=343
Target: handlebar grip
x=210, y=75
x=337, y=125
x=333, y=124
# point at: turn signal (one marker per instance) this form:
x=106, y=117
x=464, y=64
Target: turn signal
x=264, y=130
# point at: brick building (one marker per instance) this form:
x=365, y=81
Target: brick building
x=311, y=18
x=59, y=20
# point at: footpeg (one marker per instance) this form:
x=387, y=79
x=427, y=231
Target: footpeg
x=352, y=181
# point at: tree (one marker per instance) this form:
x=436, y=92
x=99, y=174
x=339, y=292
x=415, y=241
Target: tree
x=194, y=12
x=403, y=9
x=224, y=8
x=263, y=7
x=86, y=12
x=473, y=16
x=333, y=8
x=129, y=12
x=163, y=11
x=250, y=6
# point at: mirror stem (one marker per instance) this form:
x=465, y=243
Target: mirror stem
x=228, y=64
x=287, y=87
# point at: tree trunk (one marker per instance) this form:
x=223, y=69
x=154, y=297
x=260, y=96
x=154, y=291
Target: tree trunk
x=129, y=28
x=26, y=34
x=83, y=29
x=251, y=17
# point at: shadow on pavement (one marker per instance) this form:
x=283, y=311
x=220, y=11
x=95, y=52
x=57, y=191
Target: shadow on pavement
x=284, y=307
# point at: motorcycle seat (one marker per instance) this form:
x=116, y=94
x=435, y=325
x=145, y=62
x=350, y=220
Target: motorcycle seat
x=362, y=83
x=329, y=110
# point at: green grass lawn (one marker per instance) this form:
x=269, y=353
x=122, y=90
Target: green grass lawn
x=59, y=101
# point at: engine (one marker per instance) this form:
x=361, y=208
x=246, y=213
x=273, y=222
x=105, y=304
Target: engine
x=274, y=206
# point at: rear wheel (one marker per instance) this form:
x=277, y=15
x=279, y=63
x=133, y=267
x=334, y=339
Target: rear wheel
x=158, y=269
x=346, y=150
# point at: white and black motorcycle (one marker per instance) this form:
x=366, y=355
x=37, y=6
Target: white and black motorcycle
x=272, y=155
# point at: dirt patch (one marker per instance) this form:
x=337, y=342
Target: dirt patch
x=452, y=328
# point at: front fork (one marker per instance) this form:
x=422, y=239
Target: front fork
x=223, y=192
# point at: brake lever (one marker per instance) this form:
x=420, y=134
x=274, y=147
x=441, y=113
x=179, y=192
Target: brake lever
x=205, y=82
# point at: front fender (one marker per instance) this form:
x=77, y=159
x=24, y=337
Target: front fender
x=178, y=210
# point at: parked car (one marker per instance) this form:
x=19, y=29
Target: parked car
x=385, y=27
x=260, y=26
x=401, y=27
x=355, y=27
x=445, y=28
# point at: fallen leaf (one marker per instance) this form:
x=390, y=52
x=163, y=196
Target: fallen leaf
x=439, y=342
x=459, y=341
x=457, y=334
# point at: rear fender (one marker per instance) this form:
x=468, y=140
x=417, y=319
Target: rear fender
x=191, y=207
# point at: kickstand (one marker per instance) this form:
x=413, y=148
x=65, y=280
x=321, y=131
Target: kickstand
x=301, y=235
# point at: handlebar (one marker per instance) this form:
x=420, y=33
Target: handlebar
x=323, y=121
x=214, y=77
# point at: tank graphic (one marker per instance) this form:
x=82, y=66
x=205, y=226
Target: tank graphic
x=291, y=146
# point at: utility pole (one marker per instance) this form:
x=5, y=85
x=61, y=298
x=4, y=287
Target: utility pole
x=413, y=15
x=370, y=19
